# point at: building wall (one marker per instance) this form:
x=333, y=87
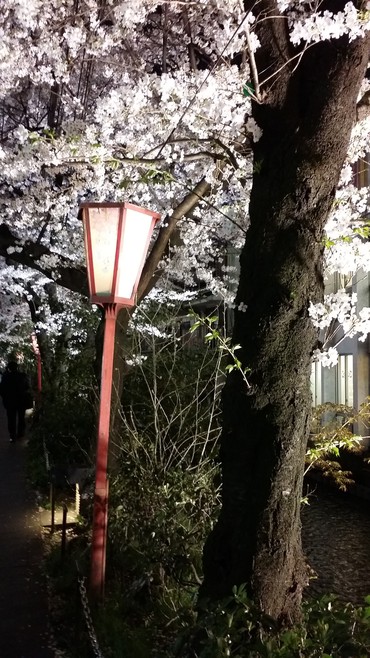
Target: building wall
x=347, y=383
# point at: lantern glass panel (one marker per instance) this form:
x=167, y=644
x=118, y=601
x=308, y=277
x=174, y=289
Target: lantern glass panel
x=134, y=243
x=103, y=231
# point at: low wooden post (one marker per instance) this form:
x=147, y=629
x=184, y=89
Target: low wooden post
x=64, y=530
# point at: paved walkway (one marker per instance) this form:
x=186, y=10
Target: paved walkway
x=23, y=600
x=336, y=539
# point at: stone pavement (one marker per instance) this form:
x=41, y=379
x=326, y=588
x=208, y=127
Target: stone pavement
x=23, y=598
x=336, y=540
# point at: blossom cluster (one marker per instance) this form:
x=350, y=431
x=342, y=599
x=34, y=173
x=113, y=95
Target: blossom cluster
x=320, y=25
x=139, y=100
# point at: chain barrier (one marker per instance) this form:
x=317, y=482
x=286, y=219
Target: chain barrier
x=88, y=618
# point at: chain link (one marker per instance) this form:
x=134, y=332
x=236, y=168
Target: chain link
x=88, y=618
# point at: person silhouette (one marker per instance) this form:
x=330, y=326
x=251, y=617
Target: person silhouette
x=15, y=392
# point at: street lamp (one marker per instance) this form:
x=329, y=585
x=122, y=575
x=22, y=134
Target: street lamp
x=117, y=237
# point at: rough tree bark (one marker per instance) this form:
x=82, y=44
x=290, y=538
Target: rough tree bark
x=306, y=121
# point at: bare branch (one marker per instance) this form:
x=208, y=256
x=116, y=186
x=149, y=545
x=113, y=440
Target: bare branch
x=150, y=274
x=187, y=157
x=164, y=43
x=253, y=66
x=191, y=51
x=67, y=274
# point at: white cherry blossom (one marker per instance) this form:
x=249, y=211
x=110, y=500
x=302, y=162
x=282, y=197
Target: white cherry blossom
x=96, y=105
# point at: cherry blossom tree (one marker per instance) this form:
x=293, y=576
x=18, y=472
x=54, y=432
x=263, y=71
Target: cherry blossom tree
x=74, y=128
x=305, y=104
x=64, y=103
x=236, y=121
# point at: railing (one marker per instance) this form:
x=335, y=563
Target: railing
x=87, y=615
x=81, y=580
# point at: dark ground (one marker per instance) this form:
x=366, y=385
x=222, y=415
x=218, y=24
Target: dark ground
x=23, y=599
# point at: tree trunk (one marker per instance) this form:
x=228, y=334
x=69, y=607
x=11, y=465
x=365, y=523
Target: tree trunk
x=306, y=122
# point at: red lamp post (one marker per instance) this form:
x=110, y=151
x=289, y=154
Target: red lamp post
x=117, y=237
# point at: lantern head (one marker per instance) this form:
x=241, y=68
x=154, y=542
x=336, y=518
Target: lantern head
x=117, y=237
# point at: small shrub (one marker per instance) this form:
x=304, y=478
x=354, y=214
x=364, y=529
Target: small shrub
x=164, y=492
x=65, y=431
x=331, y=438
x=237, y=628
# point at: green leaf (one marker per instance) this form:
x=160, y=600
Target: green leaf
x=257, y=166
x=248, y=89
x=194, y=327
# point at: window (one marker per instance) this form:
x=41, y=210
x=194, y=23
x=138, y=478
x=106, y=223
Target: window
x=342, y=280
x=361, y=172
x=333, y=384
